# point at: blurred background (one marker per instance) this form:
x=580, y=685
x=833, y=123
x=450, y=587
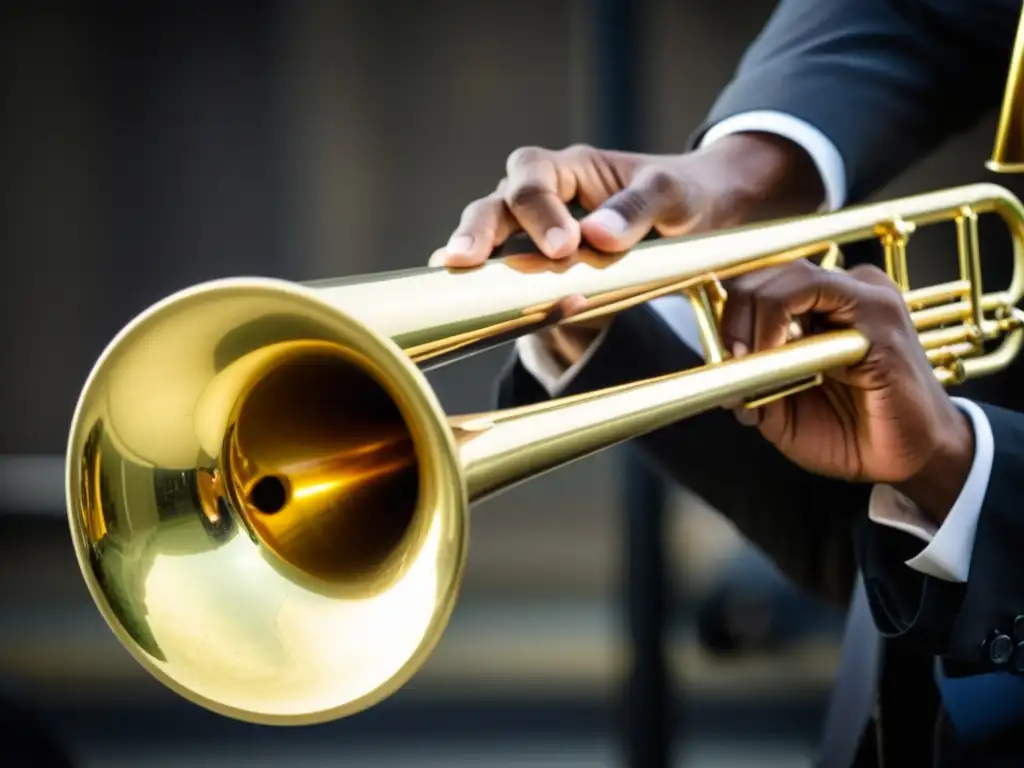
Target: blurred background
x=146, y=146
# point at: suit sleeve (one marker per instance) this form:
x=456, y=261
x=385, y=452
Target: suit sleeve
x=958, y=621
x=886, y=80
x=804, y=523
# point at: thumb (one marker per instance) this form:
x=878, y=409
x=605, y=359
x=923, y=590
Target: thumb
x=655, y=199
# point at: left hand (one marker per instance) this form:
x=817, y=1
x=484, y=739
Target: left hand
x=884, y=420
x=739, y=178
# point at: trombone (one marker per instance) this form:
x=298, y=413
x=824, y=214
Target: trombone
x=270, y=507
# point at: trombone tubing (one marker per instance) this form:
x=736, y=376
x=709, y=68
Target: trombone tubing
x=502, y=448
x=439, y=314
x=157, y=399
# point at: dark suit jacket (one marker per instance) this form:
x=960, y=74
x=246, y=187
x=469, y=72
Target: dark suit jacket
x=887, y=81
x=814, y=528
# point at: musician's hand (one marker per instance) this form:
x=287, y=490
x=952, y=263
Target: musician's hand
x=734, y=180
x=885, y=420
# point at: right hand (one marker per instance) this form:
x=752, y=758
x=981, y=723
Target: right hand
x=733, y=181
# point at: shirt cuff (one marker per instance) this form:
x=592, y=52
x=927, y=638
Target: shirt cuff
x=947, y=555
x=551, y=374
x=823, y=152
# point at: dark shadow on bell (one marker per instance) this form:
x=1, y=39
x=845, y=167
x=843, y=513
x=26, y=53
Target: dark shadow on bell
x=331, y=484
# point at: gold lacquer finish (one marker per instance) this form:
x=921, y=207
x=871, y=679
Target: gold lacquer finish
x=270, y=508
x=1008, y=152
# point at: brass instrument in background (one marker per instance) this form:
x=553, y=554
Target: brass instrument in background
x=270, y=507
x=1008, y=151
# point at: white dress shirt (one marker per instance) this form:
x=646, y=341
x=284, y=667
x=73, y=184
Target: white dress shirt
x=947, y=554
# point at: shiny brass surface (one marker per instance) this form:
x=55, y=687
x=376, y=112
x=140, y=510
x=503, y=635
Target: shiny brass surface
x=270, y=507
x=1008, y=151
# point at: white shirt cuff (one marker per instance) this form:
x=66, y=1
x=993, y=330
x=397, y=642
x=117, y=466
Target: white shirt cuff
x=948, y=554
x=821, y=149
x=537, y=359
x=546, y=368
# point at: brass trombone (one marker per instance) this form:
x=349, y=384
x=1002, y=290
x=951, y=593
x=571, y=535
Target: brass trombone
x=270, y=507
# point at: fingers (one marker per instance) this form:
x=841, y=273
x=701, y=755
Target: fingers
x=573, y=305
x=540, y=183
x=656, y=198
x=538, y=187
x=869, y=273
x=533, y=197
x=760, y=313
x=739, y=317
x=762, y=306
x=764, y=309
x=887, y=307
x=484, y=225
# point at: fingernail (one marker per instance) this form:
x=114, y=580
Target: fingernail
x=556, y=238
x=746, y=416
x=739, y=349
x=609, y=220
x=438, y=258
x=460, y=245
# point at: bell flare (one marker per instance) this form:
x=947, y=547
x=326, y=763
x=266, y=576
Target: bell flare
x=266, y=502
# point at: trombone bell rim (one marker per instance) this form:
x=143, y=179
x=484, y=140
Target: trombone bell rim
x=123, y=529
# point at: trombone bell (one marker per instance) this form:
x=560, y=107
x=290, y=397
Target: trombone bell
x=266, y=503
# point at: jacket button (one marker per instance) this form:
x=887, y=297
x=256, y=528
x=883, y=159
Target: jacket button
x=1018, y=629
x=1000, y=649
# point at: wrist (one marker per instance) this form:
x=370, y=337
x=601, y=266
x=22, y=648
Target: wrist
x=766, y=176
x=938, y=484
